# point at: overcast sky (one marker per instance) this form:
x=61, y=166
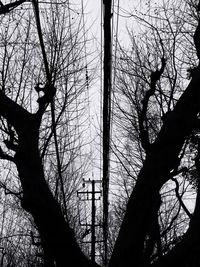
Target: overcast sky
x=92, y=17
x=92, y=10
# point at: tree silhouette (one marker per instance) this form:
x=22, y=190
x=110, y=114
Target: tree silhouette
x=34, y=96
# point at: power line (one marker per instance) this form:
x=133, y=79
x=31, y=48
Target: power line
x=115, y=60
x=116, y=42
x=101, y=88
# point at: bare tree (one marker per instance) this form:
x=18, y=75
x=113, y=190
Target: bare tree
x=42, y=56
x=42, y=79
x=157, y=132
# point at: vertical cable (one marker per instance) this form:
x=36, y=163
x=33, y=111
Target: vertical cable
x=101, y=119
x=115, y=63
x=74, y=40
x=101, y=89
x=87, y=95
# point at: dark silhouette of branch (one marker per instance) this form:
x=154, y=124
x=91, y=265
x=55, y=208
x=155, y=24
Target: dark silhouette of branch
x=5, y=156
x=180, y=198
x=155, y=77
x=14, y=113
x=9, y=7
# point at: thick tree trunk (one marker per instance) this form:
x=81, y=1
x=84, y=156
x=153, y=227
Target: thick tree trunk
x=160, y=160
x=186, y=252
x=57, y=238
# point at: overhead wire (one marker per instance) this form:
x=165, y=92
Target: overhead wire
x=71, y=143
x=74, y=41
x=116, y=43
x=115, y=60
x=87, y=95
x=101, y=115
x=87, y=87
x=101, y=89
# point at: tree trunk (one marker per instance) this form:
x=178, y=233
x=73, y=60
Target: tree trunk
x=161, y=158
x=57, y=237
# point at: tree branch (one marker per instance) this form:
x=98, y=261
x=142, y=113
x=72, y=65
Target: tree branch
x=9, y=7
x=155, y=77
x=5, y=156
x=16, y=115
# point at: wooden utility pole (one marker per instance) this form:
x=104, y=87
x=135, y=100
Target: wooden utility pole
x=93, y=236
x=107, y=70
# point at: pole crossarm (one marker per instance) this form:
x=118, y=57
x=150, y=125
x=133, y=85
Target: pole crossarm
x=90, y=195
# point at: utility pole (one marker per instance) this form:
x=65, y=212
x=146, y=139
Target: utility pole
x=93, y=236
x=107, y=70
x=91, y=196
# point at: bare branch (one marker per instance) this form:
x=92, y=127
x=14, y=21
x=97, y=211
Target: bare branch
x=155, y=77
x=5, y=156
x=9, y=7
